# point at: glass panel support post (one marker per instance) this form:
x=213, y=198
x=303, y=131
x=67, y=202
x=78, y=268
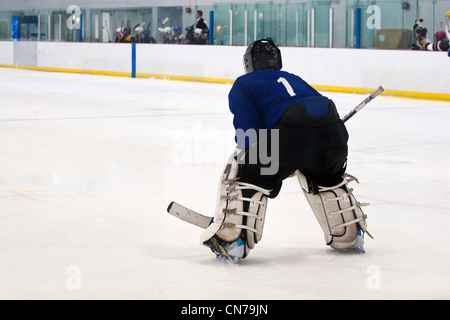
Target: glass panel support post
x=330, y=28
x=313, y=27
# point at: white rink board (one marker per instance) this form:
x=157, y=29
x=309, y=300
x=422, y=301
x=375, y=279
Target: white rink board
x=85, y=56
x=6, y=53
x=399, y=70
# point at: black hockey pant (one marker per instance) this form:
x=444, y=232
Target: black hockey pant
x=312, y=139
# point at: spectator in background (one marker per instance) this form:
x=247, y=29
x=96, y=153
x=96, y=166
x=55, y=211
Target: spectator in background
x=119, y=35
x=199, y=37
x=126, y=35
x=199, y=31
x=200, y=23
x=146, y=37
x=166, y=35
x=136, y=38
x=123, y=35
x=176, y=35
x=423, y=43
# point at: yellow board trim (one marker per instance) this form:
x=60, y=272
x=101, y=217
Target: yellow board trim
x=387, y=92
x=64, y=70
x=182, y=78
x=394, y=93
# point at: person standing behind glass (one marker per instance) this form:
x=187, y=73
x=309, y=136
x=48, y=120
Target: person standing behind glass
x=200, y=23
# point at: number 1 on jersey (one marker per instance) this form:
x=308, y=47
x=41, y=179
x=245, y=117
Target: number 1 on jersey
x=287, y=86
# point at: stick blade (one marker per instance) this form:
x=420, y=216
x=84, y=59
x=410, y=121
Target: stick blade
x=190, y=216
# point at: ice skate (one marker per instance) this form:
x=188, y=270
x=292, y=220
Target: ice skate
x=358, y=247
x=228, y=252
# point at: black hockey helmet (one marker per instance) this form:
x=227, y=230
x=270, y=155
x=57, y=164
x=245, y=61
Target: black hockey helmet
x=127, y=30
x=419, y=28
x=262, y=54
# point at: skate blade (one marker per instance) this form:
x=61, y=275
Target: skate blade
x=355, y=250
x=222, y=254
x=358, y=250
x=227, y=259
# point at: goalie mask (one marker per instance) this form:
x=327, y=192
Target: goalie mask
x=260, y=55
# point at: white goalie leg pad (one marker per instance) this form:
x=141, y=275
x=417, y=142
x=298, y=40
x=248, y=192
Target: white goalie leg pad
x=230, y=219
x=337, y=211
x=224, y=219
x=255, y=218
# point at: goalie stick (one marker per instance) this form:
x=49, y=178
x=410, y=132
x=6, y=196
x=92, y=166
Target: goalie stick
x=363, y=103
x=188, y=215
x=199, y=220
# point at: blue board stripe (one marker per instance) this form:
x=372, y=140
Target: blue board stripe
x=133, y=60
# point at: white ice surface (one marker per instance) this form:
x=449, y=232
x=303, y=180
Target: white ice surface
x=90, y=163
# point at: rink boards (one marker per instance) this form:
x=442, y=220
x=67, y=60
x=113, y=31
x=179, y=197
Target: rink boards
x=328, y=69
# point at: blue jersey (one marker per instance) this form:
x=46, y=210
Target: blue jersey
x=258, y=99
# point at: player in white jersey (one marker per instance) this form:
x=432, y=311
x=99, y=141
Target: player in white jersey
x=423, y=43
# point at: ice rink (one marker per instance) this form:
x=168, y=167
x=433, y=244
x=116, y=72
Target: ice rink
x=89, y=165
